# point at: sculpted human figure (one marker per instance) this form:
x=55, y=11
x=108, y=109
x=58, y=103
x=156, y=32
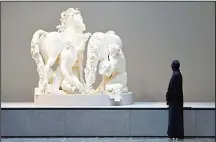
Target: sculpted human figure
x=96, y=51
x=64, y=49
x=71, y=74
x=114, y=71
x=106, y=48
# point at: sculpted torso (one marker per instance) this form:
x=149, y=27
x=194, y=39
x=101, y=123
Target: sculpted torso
x=118, y=81
x=114, y=71
x=112, y=64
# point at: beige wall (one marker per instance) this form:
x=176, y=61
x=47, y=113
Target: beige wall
x=153, y=35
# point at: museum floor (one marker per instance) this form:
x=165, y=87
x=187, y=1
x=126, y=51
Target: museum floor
x=133, y=139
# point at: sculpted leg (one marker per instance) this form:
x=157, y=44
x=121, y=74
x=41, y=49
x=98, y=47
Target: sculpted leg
x=47, y=67
x=41, y=76
x=117, y=84
x=57, y=79
x=101, y=86
x=79, y=86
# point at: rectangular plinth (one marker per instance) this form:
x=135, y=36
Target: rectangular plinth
x=82, y=100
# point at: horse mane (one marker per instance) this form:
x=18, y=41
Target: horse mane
x=64, y=16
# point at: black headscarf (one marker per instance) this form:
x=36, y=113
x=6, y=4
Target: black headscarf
x=175, y=65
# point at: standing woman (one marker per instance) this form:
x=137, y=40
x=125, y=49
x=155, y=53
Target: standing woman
x=174, y=99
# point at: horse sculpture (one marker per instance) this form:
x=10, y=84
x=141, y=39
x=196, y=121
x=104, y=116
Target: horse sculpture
x=64, y=49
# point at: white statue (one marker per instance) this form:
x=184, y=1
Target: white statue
x=106, y=48
x=59, y=59
x=65, y=50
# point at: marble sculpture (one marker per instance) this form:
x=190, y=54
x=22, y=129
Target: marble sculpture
x=59, y=58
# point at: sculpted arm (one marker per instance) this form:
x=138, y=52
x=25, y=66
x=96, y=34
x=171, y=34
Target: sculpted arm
x=114, y=54
x=109, y=65
x=107, y=69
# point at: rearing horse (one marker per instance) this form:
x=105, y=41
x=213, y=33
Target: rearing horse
x=46, y=48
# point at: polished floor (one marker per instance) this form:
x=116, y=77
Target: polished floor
x=133, y=139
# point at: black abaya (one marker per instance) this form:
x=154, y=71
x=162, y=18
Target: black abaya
x=174, y=98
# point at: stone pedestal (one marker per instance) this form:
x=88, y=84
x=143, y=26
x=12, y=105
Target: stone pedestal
x=82, y=99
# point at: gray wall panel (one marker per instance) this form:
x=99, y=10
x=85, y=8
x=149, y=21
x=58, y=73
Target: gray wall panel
x=97, y=123
x=149, y=122
x=33, y=123
x=205, y=122
x=189, y=122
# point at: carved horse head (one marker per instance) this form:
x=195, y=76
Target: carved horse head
x=71, y=18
